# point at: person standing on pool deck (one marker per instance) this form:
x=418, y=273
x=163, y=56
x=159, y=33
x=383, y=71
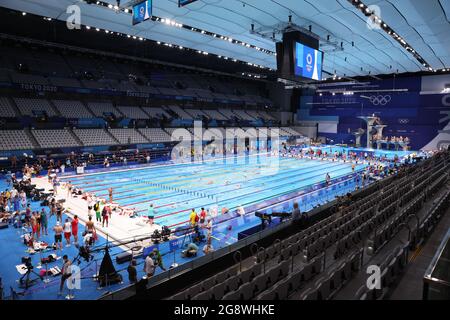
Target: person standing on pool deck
x=58, y=235
x=110, y=191
x=65, y=273
x=34, y=226
x=67, y=232
x=202, y=216
x=151, y=214
x=75, y=229
x=158, y=259
x=105, y=216
x=209, y=227
x=90, y=228
x=69, y=189
x=149, y=265
x=328, y=179
x=55, y=185
x=132, y=272
x=193, y=218
x=98, y=216
x=44, y=222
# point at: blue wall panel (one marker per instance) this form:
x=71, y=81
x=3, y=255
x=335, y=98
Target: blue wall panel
x=412, y=113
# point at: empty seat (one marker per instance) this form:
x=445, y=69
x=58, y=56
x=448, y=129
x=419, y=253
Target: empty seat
x=218, y=291
x=178, y=296
x=72, y=109
x=296, y=280
x=193, y=291
x=203, y=296
x=54, y=138
x=273, y=275
x=335, y=279
x=233, y=296
x=94, y=137
x=33, y=107
x=316, y=265
x=323, y=287
x=232, y=283
x=14, y=140
x=260, y=283
x=6, y=109
x=309, y=294
x=362, y=293
x=100, y=109
x=208, y=283
x=155, y=135
x=247, y=291
x=268, y=295
x=133, y=112
x=347, y=270
x=221, y=277
x=282, y=289
x=307, y=272
x=125, y=136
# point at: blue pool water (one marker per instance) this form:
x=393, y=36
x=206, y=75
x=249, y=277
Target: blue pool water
x=226, y=183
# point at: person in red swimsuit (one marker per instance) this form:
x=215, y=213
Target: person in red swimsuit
x=105, y=216
x=202, y=216
x=75, y=228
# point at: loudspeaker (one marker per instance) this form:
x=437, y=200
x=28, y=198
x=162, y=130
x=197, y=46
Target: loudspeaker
x=124, y=257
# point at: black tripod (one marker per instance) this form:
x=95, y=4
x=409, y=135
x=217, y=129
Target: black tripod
x=25, y=281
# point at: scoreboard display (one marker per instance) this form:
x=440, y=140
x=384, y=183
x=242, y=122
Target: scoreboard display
x=308, y=62
x=299, y=57
x=182, y=3
x=142, y=11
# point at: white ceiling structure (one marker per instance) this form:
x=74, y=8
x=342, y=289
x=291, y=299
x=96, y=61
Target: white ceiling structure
x=424, y=24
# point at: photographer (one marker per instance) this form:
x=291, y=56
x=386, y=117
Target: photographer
x=158, y=259
x=149, y=265
x=191, y=251
x=132, y=272
x=65, y=272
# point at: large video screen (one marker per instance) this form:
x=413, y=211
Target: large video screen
x=142, y=11
x=308, y=62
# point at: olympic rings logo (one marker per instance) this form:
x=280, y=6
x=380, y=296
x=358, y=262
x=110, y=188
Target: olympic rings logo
x=380, y=100
x=403, y=121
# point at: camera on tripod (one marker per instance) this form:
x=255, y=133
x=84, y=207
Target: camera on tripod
x=156, y=237
x=165, y=233
x=26, y=281
x=85, y=253
x=27, y=262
